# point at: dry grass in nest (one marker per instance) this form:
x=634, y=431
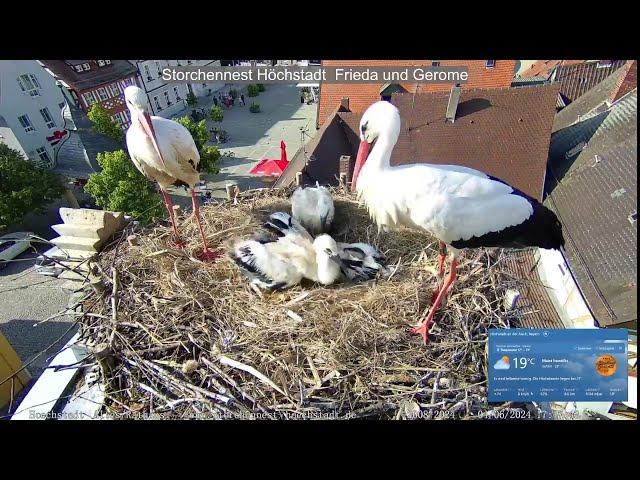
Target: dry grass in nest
x=180, y=337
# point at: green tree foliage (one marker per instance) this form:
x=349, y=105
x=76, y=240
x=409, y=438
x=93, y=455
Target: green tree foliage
x=209, y=155
x=198, y=130
x=252, y=90
x=216, y=114
x=254, y=108
x=260, y=86
x=233, y=93
x=120, y=187
x=102, y=123
x=192, y=100
x=24, y=187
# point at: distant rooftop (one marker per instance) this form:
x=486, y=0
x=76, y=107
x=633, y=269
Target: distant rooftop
x=89, y=79
x=577, y=79
x=599, y=97
x=504, y=132
x=593, y=189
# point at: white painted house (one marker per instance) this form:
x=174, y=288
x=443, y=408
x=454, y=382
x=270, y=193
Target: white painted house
x=30, y=110
x=166, y=99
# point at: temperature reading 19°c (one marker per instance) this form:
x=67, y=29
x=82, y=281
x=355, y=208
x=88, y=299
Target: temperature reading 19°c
x=523, y=362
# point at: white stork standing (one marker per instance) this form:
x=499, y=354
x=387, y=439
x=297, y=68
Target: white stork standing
x=313, y=208
x=462, y=207
x=164, y=151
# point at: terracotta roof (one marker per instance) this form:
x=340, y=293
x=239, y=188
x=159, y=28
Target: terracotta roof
x=503, y=132
x=593, y=190
x=534, y=308
x=577, y=79
x=94, y=77
x=543, y=68
x=599, y=98
x=362, y=95
x=330, y=142
x=627, y=80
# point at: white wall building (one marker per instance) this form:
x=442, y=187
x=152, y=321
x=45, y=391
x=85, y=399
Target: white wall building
x=563, y=290
x=30, y=110
x=167, y=100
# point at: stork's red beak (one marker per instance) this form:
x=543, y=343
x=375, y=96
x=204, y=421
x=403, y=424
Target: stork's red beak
x=363, y=153
x=147, y=125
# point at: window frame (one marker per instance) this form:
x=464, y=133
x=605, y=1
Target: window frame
x=43, y=152
x=50, y=123
x=28, y=125
x=487, y=66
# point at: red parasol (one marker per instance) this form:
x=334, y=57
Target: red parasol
x=270, y=166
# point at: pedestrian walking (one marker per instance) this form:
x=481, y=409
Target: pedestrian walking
x=242, y=99
x=215, y=101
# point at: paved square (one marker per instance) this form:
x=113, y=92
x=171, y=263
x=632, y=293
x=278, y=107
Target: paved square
x=254, y=136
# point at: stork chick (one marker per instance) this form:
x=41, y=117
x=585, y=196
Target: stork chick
x=313, y=208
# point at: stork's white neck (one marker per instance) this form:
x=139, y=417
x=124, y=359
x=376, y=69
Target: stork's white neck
x=379, y=158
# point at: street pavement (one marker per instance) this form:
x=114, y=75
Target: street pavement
x=25, y=299
x=254, y=136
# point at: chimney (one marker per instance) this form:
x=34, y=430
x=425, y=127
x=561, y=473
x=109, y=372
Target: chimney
x=452, y=107
x=344, y=104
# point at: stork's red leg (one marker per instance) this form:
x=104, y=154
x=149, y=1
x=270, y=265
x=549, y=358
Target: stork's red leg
x=206, y=254
x=443, y=255
x=176, y=236
x=425, y=326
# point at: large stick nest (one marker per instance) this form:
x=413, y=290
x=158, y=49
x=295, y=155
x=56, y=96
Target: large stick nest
x=177, y=336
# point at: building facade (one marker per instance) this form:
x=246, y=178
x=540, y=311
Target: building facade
x=96, y=81
x=167, y=100
x=30, y=111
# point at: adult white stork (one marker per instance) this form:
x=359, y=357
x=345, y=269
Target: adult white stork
x=164, y=151
x=313, y=208
x=462, y=207
x=283, y=263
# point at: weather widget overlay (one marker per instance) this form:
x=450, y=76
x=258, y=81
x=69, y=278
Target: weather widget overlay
x=558, y=365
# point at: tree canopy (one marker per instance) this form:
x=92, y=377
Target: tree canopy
x=24, y=187
x=102, y=123
x=120, y=187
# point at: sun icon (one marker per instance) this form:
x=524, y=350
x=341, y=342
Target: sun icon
x=503, y=363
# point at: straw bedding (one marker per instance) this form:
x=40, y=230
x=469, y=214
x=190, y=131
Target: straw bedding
x=177, y=337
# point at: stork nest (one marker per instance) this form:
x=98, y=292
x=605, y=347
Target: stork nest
x=177, y=337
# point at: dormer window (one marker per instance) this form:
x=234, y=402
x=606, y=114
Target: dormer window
x=86, y=67
x=490, y=63
x=604, y=63
x=78, y=68
x=101, y=63
x=435, y=63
